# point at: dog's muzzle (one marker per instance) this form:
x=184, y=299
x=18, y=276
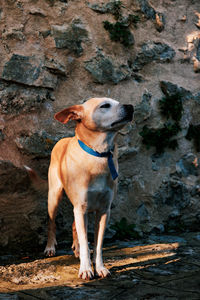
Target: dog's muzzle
x=126, y=114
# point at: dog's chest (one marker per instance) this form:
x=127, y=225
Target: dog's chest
x=100, y=193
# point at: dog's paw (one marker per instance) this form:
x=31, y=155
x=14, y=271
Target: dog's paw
x=50, y=251
x=102, y=272
x=86, y=274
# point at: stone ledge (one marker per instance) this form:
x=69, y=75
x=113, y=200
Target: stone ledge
x=160, y=267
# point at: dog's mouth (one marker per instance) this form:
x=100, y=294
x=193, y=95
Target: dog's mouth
x=127, y=118
x=122, y=121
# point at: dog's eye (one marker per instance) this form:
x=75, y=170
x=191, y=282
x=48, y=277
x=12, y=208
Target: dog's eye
x=106, y=105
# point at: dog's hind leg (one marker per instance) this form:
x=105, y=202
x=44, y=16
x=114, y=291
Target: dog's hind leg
x=54, y=197
x=75, y=245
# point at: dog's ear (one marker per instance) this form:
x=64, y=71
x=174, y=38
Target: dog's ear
x=74, y=112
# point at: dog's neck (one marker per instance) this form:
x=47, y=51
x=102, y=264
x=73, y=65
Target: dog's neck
x=98, y=141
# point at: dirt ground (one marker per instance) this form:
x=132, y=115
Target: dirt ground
x=159, y=267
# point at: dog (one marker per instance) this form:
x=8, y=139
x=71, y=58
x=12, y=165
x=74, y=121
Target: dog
x=85, y=167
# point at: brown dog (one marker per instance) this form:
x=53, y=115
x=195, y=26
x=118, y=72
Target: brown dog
x=85, y=166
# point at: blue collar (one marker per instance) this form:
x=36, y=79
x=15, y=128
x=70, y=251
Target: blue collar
x=102, y=154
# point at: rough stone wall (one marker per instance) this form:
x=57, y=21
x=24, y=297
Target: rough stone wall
x=58, y=53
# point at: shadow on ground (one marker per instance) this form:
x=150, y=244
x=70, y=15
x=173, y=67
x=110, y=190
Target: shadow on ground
x=162, y=267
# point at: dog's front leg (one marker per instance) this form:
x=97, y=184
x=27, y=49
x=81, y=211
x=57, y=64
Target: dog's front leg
x=85, y=271
x=100, y=227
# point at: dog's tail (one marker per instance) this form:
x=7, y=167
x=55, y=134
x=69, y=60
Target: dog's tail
x=38, y=183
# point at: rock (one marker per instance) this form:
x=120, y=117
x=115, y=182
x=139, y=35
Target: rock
x=147, y=9
x=103, y=69
x=197, y=237
x=119, y=32
x=37, y=12
x=196, y=65
x=194, y=111
x=13, y=34
x=173, y=193
x=54, y=2
x=151, y=13
x=168, y=239
x=174, y=199
x=143, y=110
x=170, y=89
x=14, y=177
x=163, y=268
x=28, y=70
x=161, y=160
x=66, y=293
x=45, y=33
x=19, y=207
x=103, y=8
x=39, y=144
x=143, y=213
x=192, y=50
x=159, y=271
x=9, y=297
x=54, y=66
x=190, y=222
x=127, y=152
x=198, y=19
x=158, y=229
x=187, y=165
x=160, y=22
x=193, y=134
x=195, y=54
x=1, y=135
x=70, y=36
x=197, y=97
x=195, y=190
x=15, y=98
x=175, y=213
x=23, y=213
x=198, y=49
x=153, y=51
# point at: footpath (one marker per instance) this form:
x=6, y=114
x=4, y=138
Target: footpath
x=160, y=267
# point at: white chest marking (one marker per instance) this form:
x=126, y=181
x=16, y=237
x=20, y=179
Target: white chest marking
x=100, y=194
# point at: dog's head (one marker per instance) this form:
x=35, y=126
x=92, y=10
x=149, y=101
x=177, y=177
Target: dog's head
x=98, y=114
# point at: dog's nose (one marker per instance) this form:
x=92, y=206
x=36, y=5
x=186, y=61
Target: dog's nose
x=129, y=108
x=128, y=111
